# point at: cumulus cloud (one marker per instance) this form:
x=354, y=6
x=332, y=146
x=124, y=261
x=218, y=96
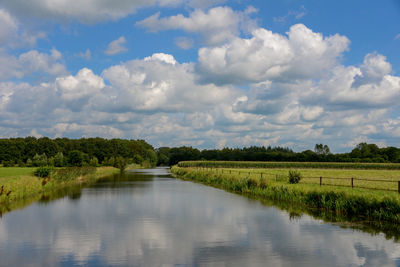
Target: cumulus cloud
x=117, y=47
x=158, y=83
x=216, y=26
x=270, y=56
x=85, y=83
x=297, y=93
x=31, y=63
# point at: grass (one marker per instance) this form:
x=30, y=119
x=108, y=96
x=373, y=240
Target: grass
x=21, y=187
x=365, y=204
x=387, y=179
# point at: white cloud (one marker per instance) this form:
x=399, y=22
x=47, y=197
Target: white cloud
x=216, y=26
x=397, y=37
x=297, y=93
x=31, y=63
x=270, y=56
x=11, y=35
x=117, y=47
x=84, y=84
x=92, y=11
x=158, y=83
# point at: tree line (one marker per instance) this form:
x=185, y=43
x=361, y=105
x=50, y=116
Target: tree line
x=363, y=152
x=59, y=152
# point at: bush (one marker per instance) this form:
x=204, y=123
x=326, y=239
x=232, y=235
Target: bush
x=8, y=163
x=43, y=171
x=294, y=177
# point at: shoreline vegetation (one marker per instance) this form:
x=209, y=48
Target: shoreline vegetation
x=19, y=186
x=350, y=204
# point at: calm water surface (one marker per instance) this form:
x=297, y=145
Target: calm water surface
x=146, y=218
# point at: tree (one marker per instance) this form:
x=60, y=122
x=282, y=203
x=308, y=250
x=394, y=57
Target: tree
x=39, y=160
x=75, y=158
x=59, y=160
x=120, y=163
x=321, y=149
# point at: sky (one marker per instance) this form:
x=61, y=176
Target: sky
x=203, y=73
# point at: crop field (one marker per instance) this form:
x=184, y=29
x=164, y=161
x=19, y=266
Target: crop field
x=298, y=165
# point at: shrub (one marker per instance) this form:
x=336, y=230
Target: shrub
x=294, y=177
x=43, y=171
x=252, y=182
x=40, y=160
x=8, y=163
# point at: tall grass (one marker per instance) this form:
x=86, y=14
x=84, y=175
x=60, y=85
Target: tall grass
x=313, y=165
x=363, y=203
x=19, y=186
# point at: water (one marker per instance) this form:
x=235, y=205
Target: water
x=146, y=218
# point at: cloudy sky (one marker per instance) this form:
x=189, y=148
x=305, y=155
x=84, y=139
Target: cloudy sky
x=206, y=73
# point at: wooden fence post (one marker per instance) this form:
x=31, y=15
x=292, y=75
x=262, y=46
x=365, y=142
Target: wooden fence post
x=398, y=186
x=320, y=181
x=352, y=182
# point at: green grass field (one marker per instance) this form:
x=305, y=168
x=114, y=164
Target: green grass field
x=21, y=187
x=372, y=179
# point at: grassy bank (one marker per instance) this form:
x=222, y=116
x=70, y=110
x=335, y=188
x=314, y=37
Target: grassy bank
x=19, y=186
x=301, y=165
x=365, y=204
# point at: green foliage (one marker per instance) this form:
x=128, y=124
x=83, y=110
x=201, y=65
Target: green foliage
x=43, y=171
x=294, y=177
x=94, y=162
x=39, y=160
x=120, y=163
x=151, y=156
x=138, y=159
x=76, y=158
x=29, y=163
x=16, y=149
x=321, y=149
x=8, y=163
x=59, y=160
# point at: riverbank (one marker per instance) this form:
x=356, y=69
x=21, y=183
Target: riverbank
x=19, y=187
x=365, y=204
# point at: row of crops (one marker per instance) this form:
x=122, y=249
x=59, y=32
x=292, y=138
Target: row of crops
x=299, y=165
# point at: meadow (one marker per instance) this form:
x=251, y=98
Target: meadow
x=374, y=194
x=19, y=186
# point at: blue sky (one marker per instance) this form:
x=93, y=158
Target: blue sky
x=206, y=73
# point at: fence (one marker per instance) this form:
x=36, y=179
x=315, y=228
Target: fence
x=351, y=181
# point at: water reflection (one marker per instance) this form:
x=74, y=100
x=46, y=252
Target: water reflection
x=146, y=218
